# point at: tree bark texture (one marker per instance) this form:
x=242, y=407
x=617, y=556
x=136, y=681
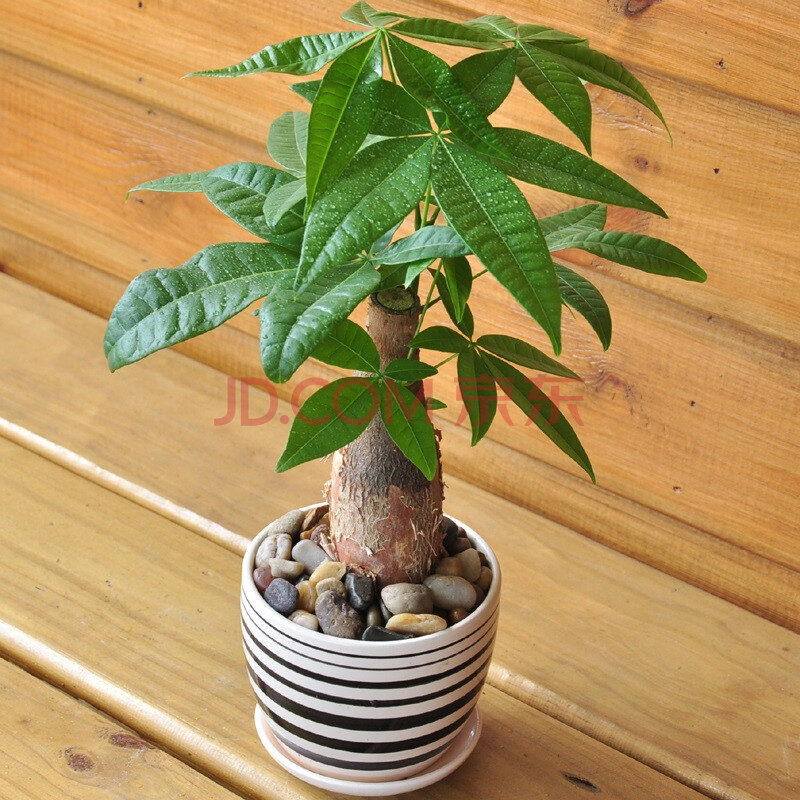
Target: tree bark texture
x=385, y=516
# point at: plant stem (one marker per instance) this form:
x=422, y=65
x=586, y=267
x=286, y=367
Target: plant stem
x=426, y=203
x=442, y=363
x=426, y=306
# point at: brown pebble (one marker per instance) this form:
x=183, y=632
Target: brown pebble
x=457, y=614
x=418, y=624
x=330, y=585
x=305, y=534
x=470, y=564
x=484, y=560
x=450, y=566
x=262, y=577
x=307, y=596
x=480, y=595
x=327, y=569
x=459, y=545
x=484, y=579
x=374, y=617
x=313, y=516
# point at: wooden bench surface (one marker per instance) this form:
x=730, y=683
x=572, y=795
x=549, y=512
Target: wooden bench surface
x=125, y=510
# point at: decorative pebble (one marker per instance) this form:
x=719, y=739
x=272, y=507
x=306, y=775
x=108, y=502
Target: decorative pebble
x=470, y=564
x=360, y=590
x=449, y=566
x=385, y=613
x=283, y=568
x=313, y=516
x=480, y=595
x=459, y=545
x=418, y=624
x=457, y=614
x=307, y=596
x=309, y=554
x=327, y=569
x=305, y=619
x=277, y=545
x=407, y=598
x=451, y=591
x=282, y=596
x=262, y=578
x=330, y=585
x=320, y=533
x=289, y=524
x=484, y=560
x=337, y=617
x=484, y=579
x=305, y=535
x=374, y=617
x=375, y=633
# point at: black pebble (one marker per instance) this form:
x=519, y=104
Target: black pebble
x=360, y=591
x=377, y=634
x=282, y=596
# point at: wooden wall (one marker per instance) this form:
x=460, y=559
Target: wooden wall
x=690, y=418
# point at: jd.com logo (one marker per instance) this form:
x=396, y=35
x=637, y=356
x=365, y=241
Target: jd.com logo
x=544, y=398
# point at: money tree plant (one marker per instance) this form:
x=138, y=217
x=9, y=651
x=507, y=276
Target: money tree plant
x=395, y=134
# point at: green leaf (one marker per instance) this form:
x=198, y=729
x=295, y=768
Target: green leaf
x=342, y=115
x=294, y=324
x=478, y=392
x=636, y=250
x=165, y=306
x=331, y=418
x=552, y=165
x=443, y=31
x=487, y=77
x=495, y=25
x=557, y=89
x=406, y=421
x=431, y=242
x=602, y=70
x=441, y=339
x=536, y=405
x=585, y=298
x=494, y=219
x=348, y=345
x=403, y=274
x=398, y=114
x=239, y=190
x=431, y=81
x=591, y=217
x=284, y=200
x=524, y=354
x=463, y=320
x=379, y=188
x=363, y=14
x=541, y=33
x=458, y=276
x=434, y=405
x=301, y=56
x=287, y=140
x=187, y=182
x=409, y=370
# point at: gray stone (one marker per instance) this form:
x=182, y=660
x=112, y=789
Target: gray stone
x=407, y=598
x=289, y=523
x=375, y=633
x=282, y=596
x=283, y=568
x=309, y=554
x=451, y=591
x=337, y=617
x=360, y=591
x=470, y=564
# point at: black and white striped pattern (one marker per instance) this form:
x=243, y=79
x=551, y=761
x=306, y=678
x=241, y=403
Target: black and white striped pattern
x=366, y=710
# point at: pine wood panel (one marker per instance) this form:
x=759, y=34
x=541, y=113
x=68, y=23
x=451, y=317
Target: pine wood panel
x=146, y=582
x=54, y=747
x=660, y=670
x=727, y=182
x=631, y=410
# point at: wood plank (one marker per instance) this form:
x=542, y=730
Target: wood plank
x=703, y=177
x=53, y=747
x=114, y=567
x=606, y=644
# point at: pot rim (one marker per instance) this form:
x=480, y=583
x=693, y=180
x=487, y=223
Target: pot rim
x=358, y=647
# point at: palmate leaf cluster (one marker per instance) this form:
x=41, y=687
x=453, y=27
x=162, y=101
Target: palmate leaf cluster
x=393, y=130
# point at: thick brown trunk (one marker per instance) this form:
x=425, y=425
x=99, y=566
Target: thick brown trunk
x=384, y=514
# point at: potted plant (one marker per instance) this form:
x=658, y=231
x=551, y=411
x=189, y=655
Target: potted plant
x=369, y=620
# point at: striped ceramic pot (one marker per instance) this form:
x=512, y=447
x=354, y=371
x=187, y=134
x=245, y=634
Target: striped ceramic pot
x=366, y=711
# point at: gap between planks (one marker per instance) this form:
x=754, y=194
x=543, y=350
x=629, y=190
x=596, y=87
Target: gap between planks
x=117, y=699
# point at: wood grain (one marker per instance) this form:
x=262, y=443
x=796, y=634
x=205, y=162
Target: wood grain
x=663, y=671
x=120, y=569
x=57, y=748
x=705, y=176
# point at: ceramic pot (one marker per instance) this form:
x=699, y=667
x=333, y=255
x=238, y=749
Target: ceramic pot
x=366, y=711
